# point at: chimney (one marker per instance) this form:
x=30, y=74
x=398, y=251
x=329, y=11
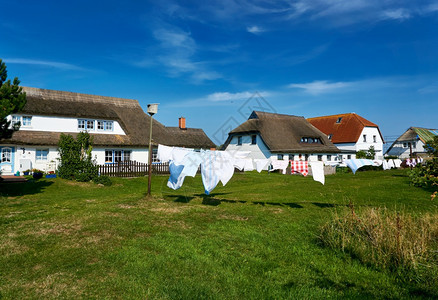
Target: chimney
x=182, y=123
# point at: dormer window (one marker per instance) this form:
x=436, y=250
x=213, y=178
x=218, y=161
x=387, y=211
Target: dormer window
x=339, y=120
x=27, y=121
x=84, y=124
x=330, y=136
x=310, y=140
x=105, y=125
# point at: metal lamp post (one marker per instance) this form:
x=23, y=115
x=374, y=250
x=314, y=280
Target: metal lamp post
x=152, y=110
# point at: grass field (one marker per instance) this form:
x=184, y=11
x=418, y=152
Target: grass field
x=257, y=237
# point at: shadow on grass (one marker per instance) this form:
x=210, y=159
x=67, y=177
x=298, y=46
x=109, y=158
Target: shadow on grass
x=23, y=188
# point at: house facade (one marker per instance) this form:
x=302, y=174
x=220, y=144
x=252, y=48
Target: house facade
x=350, y=133
x=119, y=127
x=280, y=137
x=411, y=142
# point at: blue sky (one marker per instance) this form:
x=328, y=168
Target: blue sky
x=204, y=61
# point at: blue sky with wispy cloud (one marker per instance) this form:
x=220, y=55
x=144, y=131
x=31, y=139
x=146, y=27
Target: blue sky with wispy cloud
x=205, y=60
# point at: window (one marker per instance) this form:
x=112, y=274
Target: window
x=105, y=125
x=319, y=157
x=41, y=154
x=339, y=120
x=405, y=145
x=113, y=156
x=349, y=156
x=239, y=140
x=374, y=139
x=108, y=156
x=16, y=120
x=329, y=157
x=291, y=157
x=6, y=155
x=253, y=139
x=85, y=124
x=117, y=155
x=155, y=156
x=310, y=140
x=127, y=155
x=27, y=120
x=280, y=156
x=330, y=136
x=306, y=156
x=364, y=138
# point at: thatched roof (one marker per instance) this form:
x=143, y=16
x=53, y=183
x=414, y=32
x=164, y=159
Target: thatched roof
x=283, y=133
x=190, y=138
x=414, y=133
x=347, y=130
x=127, y=112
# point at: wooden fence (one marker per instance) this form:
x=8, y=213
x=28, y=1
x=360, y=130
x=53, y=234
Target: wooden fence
x=132, y=169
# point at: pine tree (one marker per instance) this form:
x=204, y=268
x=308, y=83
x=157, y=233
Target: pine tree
x=12, y=100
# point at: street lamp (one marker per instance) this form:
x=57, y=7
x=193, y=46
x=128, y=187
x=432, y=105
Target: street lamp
x=152, y=110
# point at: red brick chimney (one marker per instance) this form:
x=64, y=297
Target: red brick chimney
x=182, y=123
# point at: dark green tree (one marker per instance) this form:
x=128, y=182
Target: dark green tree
x=12, y=100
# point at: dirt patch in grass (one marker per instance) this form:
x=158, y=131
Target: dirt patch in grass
x=55, y=285
x=126, y=206
x=233, y=217
x=10, y=247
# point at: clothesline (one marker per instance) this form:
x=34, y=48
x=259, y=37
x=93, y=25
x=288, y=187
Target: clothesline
x=218, y=166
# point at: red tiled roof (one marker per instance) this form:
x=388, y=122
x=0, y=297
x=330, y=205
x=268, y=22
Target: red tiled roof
x=347, y=131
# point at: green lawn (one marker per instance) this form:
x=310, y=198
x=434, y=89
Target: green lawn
x=257, y=237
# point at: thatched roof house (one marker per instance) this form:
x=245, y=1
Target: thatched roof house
x=412, y=142
x=127, y=112
x=284, y=134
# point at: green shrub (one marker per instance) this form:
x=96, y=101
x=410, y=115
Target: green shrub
x=75, y=157
x=105, y=180
x=425, y=175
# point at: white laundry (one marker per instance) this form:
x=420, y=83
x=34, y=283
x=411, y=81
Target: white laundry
x=397, y=163
x=239, y=163
x=391, y=164
x=385, y=165
x=178, y=155
x=216, y=166
x=377, y=162
x=355, y=164
x=318, y=171
x=164, y=153
x=261, y=164
x=249, y=164
x=188, y=167
x=280, y=165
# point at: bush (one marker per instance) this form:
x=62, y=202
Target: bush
x=75, y=158
x=425, y=175
x=105, y=180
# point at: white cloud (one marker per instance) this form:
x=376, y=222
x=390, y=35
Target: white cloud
x=255, y=29
x=44, y=63
x=226, y=96
x=177, y=51
x=319, y=86
x=397, y=14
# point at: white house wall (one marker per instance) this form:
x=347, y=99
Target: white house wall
x=257, y=151
x=402, y=149
x=64, y=124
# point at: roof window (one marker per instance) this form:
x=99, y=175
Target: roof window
x=339, y=120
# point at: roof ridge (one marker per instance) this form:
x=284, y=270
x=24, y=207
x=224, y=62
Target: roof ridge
x=76, y=97
x=336, y=115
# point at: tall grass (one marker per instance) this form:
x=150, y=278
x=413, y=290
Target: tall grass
x=388, y=240
x=383, y=238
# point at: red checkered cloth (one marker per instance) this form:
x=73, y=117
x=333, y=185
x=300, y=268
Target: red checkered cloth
x=301, y=167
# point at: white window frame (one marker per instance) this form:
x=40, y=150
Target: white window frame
x=84, y=124
x=6, y=156
x=26, y=121
x=103, y=125
x=40, y=156
x=111, y=153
